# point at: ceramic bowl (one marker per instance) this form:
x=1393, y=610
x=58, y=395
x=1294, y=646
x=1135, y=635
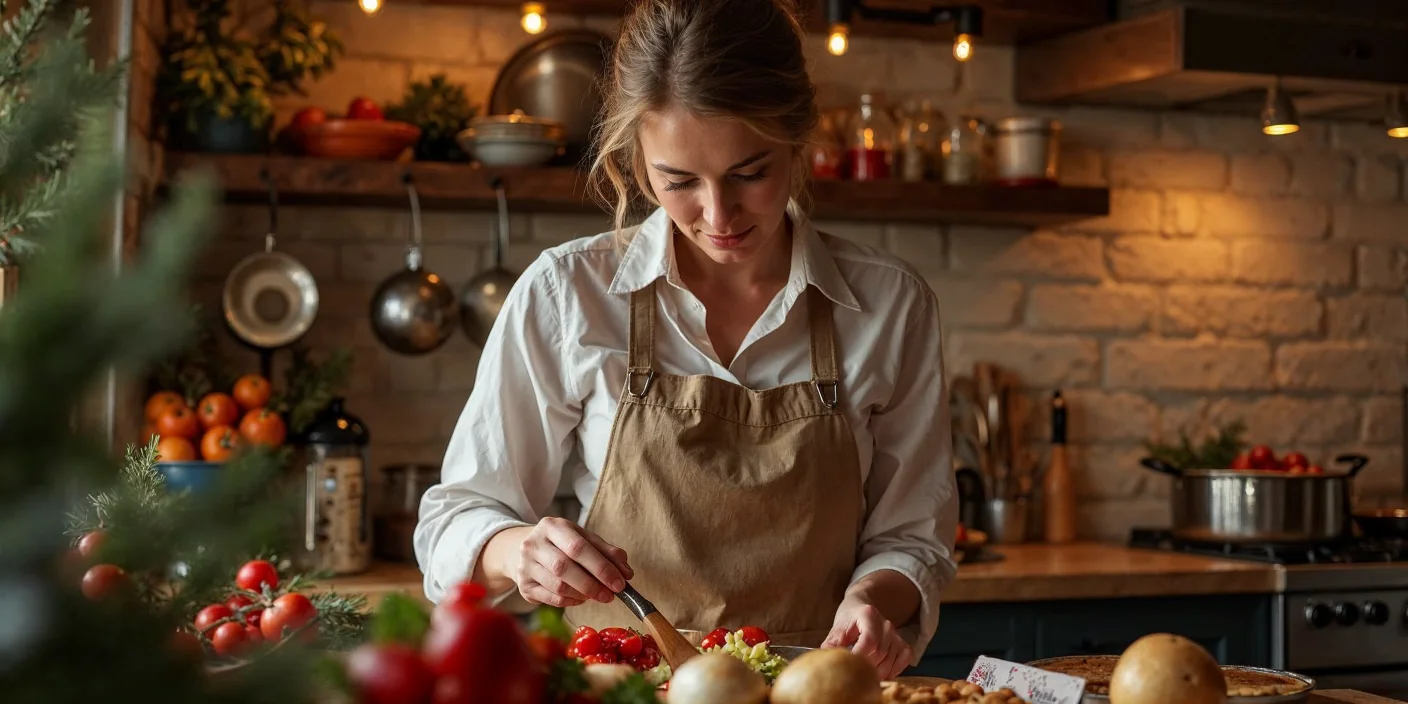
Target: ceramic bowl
x=195, y=475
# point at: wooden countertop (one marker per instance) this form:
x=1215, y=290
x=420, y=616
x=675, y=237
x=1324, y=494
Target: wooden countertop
x=1026, y=573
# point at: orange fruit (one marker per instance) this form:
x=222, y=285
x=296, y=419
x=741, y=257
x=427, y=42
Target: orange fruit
x=217, y=409
x=162, y=401
x=148, y=431
x=262, y=426
x=178, y=422
x=220, y=443
x=252, y=391
x=175, y=449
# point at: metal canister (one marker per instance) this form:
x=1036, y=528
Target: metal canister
x=335, y=533
x=1028, y=150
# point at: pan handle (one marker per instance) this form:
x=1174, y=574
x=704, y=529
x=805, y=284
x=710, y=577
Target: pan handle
x=1161, y=467
x=1355, y=461
x=268, y=180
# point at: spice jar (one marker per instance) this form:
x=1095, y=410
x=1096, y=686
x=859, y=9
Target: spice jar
x=828, y=157
x=872, y=140
x=921, y=135
x=963, y=151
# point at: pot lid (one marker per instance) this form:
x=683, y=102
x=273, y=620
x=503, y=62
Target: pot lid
x=335, y=426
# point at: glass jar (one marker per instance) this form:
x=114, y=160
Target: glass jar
x=828, y=156
x=869, y=155
x=335, y=531
x=921, y=137
x=963, y=151
x=394, y=524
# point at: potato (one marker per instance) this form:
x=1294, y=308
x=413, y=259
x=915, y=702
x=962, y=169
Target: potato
x=1164, y=668
x=602, y=677
x=713, y=678
x=826, y=676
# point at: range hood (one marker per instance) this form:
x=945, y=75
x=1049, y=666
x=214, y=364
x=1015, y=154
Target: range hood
x=1338, y=60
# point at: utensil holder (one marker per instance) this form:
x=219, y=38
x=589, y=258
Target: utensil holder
x=1005, y=520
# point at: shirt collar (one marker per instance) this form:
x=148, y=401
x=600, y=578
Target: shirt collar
x=650, y=255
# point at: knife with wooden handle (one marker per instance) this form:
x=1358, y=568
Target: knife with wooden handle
x=673, y=646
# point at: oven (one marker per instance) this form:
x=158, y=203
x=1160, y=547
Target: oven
x=1343, y=637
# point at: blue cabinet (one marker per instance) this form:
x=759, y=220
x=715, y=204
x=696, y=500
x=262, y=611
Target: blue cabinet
x=1234, y=628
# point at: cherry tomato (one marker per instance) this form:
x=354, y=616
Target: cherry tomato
x=715, y=639
x=1295, y=459
x=1315, y=469
x=480, y=656
x=208, y=616
x=254, y=635
x=186, y=645
x=363, y=109
x=1242, y=461
x=1262, y=457
x=464, y=594
x=572, y=652
x=547, y=648
x=752, y=635
x=389, y=673
x=600, y=659
x=649, y=642
x=615, y=635
x=646, y=660
x=587, y=641
x=289, y=613
x=255, y=573
x=238, y=601
x=89, y=544
x=101, y=580
x=229, y=639
x=630, y=647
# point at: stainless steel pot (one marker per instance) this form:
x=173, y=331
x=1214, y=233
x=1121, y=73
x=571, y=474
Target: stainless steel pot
x=1260, y=506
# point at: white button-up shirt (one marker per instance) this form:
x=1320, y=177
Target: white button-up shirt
x=550, y=378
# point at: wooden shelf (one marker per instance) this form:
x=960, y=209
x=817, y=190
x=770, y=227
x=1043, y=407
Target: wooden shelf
x=335, y=182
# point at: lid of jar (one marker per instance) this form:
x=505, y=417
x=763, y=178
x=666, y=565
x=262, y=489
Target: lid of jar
x=335, y=426
x=1028, y=124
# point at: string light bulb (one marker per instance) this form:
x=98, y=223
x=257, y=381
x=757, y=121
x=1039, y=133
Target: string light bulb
x=839, y=40
x=963, y=47
x=370, y=7
x=1278, y=115
x=534, y=21
x=1396, y=117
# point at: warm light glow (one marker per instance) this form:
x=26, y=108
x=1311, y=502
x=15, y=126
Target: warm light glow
x=963, y=47
x=1280, y=129
x=370, y=7
x=838, y=42
x=533, y=20
x=1398, y=132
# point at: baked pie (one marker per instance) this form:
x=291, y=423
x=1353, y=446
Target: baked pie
x=1097, y=670
x=956, y=692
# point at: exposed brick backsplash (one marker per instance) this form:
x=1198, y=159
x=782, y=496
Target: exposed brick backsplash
x=1237, y=275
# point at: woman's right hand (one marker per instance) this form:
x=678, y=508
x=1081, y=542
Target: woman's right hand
x=562, y=564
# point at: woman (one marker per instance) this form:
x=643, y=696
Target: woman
x=752, y=413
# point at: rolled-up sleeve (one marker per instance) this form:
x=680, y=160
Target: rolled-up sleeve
x=506, y=454
x=912, y=504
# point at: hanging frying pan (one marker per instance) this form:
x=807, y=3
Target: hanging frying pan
x=270, y=298
x=483, y=297
x=413, y=310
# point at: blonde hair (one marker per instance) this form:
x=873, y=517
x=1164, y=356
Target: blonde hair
x=731, y=59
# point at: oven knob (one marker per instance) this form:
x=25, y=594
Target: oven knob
x=1346, y=613
x=1319, y=615
x=1375, y=613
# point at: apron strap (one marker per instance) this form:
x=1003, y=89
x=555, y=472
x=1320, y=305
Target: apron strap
x=639, y=374
x=825, y=374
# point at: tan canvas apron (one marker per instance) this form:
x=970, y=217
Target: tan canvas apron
x=735, y=507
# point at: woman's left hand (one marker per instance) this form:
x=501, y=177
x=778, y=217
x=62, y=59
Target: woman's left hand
x=862, y=628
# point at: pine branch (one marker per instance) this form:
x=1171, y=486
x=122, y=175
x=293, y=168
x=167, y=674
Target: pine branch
x=309, y=386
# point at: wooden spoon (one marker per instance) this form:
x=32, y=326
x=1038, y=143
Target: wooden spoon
x=673, y=646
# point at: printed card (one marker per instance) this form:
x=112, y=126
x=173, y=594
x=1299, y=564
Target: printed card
x=1034, y=685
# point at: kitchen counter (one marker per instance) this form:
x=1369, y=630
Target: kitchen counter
x=1026, y=573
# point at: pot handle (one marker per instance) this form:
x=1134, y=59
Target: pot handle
x=1161, y=467
x=1356, y=462
x=413, y=252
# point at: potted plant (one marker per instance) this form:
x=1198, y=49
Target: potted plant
x=441, y=110
x=217, y=84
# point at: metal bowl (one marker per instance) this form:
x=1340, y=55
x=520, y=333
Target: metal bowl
x=789, y=652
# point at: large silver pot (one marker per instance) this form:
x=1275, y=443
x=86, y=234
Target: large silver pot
x=1261, y=506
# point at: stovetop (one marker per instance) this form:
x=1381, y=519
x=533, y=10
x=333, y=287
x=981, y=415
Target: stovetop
x=1355, y=563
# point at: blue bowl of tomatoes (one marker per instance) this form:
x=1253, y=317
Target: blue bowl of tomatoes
x=192, y=475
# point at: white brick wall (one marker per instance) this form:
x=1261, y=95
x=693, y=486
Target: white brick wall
x=1237, y=275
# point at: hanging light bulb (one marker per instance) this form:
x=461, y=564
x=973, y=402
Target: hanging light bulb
x=1278, y=115
x=370, y=7
x=534, y=21
x=839, y=40
x=1396, y=117
x=963, y=47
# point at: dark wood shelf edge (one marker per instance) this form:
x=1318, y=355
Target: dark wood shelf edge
x=339, y=182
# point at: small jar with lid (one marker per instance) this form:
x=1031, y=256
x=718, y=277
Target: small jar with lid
x=1028, y=150
x=963, y=150
x=921, y=141
x=870, y=153
x=335, y=531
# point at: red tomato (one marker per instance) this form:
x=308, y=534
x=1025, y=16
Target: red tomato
x=389, y=673
x=646, y=660
x=480, y=655
x=1295, y=459
x=255, y=573
x=547, y=648
x=229, y=639
x=572, y=652
x=587, y=641
x=308, y=117
x=649, y=642
x=290, y=613
x=715, y=639
x=178, y=422
x=465, y=594
x=208, y=616
x=630, y=647
x=1315, y=469
x=363, y=109
x=1242, y=461
x=602, y=658
x=101, y=580
x=88, y=545
x=217, y=408
x=615, y=635
x=960, y=535
x=254, y=635
x=238, y=601
x=752, y=635
x=186, y=645
x=1263, y=458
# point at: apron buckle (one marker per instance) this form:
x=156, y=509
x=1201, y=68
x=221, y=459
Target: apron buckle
x=835, y=397
x=630, y=382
